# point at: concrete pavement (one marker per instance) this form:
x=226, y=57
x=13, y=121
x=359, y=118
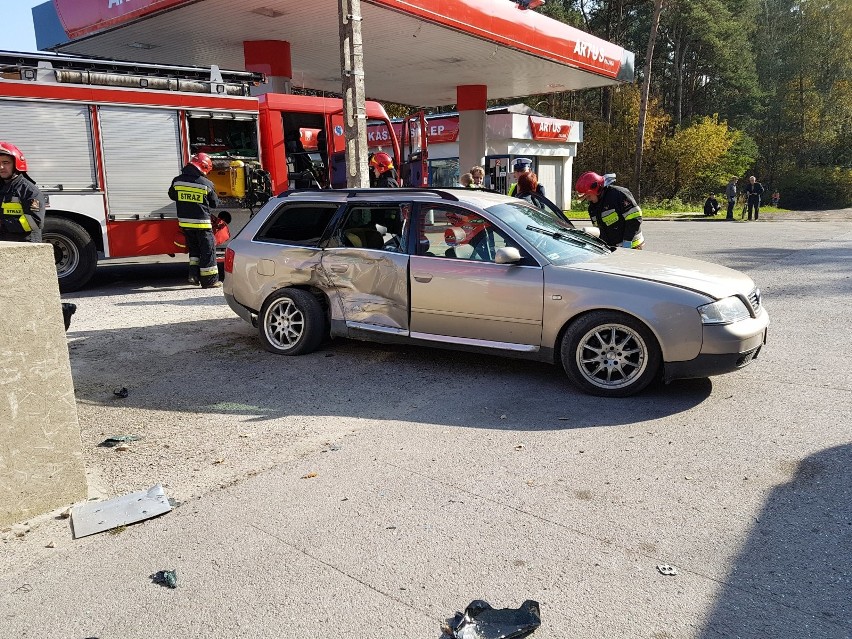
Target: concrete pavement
x=370, y=491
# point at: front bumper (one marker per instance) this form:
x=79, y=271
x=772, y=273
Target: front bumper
x=724, y=349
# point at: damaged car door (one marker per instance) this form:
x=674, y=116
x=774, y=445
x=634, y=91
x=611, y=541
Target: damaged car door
x=366, y=260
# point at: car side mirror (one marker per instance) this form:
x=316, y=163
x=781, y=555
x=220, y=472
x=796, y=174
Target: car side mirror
x=594, y=231
x=507, y=255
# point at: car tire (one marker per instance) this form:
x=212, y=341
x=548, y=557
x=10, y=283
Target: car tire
x=291, y=322
x=610, y=354
x=74, y=251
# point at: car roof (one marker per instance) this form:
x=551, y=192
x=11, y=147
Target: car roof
x=475, y=197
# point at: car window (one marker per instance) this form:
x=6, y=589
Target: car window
x=454, y=233
x=298, y=224
x=548, y=232
x=373, y=226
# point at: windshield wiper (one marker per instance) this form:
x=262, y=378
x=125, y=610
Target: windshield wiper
x=571, y=236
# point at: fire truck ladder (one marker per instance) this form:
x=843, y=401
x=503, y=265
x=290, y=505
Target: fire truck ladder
x=70, y=69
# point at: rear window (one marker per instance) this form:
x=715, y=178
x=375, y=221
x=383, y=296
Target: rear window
x=298, y=224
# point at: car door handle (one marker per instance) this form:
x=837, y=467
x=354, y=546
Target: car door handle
x=425, y=278
x=339, y=268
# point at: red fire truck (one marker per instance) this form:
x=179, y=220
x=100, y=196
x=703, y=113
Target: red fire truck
x=104, y=139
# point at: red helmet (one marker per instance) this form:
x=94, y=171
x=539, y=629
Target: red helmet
x=382, y=161
x=589, y=182
x=202, y=162
x=7, y=148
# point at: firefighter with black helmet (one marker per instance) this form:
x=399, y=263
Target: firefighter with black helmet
x=23, y=203
x=612, y=209
x=195, y=196
x=383, y=169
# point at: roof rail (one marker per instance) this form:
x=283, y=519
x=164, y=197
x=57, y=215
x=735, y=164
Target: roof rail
x=444, y=194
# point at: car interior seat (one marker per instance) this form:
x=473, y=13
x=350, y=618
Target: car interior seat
x=368, y=238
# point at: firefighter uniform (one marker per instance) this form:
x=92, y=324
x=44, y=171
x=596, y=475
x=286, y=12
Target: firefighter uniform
x=195, y=196
x=618, y=217
x=23, y=210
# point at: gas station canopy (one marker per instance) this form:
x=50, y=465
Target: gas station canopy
x=416, y=52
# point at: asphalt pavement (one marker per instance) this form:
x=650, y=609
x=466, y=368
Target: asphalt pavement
x=372, y=491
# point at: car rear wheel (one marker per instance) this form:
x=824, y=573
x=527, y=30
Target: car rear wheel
x=610, y=354
x=291, y=322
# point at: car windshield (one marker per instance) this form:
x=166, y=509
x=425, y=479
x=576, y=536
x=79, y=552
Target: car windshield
x=550, y=233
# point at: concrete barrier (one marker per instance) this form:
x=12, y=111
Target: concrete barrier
x=41, y=457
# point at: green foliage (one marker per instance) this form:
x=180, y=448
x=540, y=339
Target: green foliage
x=816, y=188
x=699, y=159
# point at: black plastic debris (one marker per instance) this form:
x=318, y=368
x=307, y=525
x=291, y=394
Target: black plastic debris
x=121, y=392
x=111, y=442
x=68, y=310
x=481, y=621
x=167, y=578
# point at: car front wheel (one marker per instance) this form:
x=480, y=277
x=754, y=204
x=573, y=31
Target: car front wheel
x=610, y=354
x=291, y=322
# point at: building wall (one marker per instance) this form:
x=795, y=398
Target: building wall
x=41, y=457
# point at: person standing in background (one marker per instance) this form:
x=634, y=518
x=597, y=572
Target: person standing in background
x=753, y=191
x=731, y=194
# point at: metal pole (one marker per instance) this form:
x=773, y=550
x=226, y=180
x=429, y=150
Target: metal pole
x=354, y=111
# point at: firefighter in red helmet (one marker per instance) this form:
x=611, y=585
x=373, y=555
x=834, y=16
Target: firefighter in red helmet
x=195, y=196
x=382, y=165
x=612, y=209
x=23, y=203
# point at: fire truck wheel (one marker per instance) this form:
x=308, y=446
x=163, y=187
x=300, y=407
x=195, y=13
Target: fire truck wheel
x=291, y=322
x=74, y=250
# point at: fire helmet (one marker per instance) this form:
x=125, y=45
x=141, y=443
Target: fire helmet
x=589, y=182
x=382, y=161
x=202, y=162
x=7, y=148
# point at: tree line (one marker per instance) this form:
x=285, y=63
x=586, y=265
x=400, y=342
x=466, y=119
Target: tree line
x=737, y=88
x=734, y=88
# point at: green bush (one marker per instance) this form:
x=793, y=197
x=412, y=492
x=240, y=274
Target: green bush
x=816, y=189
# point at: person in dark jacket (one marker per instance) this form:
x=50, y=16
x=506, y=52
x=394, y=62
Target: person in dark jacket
x=23, y=202
x=527, y=186
x=612, y=209
x=711, y=205
x=753, y=191
x=195, y=196
x=731, y=196
x=521, y=166
x=383, y=168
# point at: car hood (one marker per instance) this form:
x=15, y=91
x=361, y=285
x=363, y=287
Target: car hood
x=703, y=277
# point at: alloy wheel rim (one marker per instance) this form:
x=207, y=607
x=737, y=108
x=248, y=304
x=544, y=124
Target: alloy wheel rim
x=284, y=324
x=612, y=356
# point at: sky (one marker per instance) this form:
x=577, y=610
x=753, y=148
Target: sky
x=18, y=34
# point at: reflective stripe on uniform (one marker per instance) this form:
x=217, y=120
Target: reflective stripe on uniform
x=609, y=217
x=194, y=261
x=632, y=213
x=212, y=270
x=638, y=240
x=194, y=223
x=189, y=192
x=15, y=209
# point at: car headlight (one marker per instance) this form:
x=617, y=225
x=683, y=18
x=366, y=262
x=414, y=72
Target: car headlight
x=726, y=311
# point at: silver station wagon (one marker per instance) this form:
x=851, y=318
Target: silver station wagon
x=475, y=270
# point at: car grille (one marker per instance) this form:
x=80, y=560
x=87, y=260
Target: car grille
x=755, y=299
